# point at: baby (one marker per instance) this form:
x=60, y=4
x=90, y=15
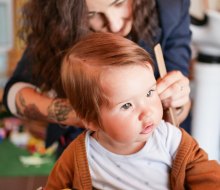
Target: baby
x=110, y=83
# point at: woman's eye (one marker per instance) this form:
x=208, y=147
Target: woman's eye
x=119, y=3
x=91, y=14
x=126, y=106
x=149, y=94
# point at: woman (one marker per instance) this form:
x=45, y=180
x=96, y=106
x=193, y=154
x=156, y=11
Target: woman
x=51, y=27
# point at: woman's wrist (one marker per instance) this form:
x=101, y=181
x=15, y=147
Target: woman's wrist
x=58, y=110
x=183, y=111
x=179, y=110
x=61, y=112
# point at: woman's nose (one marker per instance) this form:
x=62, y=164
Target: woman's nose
x=114, y=22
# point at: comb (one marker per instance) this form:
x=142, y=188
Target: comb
x=162, y=71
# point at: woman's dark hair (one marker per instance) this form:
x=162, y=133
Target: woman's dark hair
x=51, y=27
x=146, y=21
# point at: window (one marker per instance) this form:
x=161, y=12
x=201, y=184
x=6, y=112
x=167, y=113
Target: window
x=6, y=25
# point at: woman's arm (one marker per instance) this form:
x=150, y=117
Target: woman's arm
x=174, y=88
x=37, y=106
x=175, y=25
x=22, y=99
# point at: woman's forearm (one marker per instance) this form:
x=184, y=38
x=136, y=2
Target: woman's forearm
x=31, y=104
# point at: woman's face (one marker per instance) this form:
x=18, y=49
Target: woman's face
x=110, y=16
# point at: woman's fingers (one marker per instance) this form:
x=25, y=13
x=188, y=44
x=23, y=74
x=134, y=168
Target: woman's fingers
x=174, y=89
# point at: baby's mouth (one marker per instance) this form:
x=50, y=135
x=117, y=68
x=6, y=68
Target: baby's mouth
x=147, y=128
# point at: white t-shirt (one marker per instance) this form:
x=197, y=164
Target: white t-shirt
x=149, y=168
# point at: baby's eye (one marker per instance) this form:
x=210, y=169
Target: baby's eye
x=149, y=94
x=126, y=106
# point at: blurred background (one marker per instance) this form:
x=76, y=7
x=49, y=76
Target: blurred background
x=25, y=163
x=205, y=69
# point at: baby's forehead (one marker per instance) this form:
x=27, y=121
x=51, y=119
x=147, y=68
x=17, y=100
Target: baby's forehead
x=121, y=65
x=110, y=70
x=131, y=77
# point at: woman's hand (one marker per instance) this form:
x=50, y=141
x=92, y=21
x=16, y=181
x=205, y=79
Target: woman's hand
x=174, y=91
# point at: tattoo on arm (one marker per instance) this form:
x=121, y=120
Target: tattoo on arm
x=30, y=111
x=58, y=110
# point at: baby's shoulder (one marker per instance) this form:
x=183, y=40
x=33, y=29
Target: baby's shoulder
x=169, y=135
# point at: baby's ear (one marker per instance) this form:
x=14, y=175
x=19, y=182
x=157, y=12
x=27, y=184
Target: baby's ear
x=90, y=125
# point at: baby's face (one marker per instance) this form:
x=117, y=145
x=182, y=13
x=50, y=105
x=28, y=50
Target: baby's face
x=135, y=107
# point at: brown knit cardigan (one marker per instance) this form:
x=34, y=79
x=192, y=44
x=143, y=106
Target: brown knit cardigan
x=191, y=168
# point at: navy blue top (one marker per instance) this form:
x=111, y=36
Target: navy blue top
x=174, y=36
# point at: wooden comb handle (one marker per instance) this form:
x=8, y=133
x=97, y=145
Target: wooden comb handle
x=172, y=118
